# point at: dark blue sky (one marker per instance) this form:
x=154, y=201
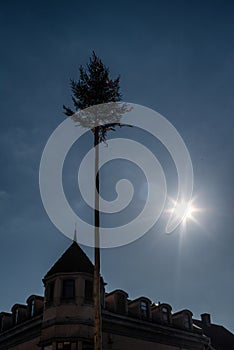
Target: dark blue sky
x=173, y=56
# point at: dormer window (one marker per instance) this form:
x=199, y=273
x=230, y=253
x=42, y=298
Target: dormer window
x=19, y=313
x=68, y=289
x=6, y=320
x=35, y=305
x=117, y=301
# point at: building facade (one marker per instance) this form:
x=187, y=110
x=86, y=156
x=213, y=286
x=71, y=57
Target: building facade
x=63, y=318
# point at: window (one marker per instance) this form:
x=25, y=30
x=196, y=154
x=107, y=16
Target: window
x=164, y=314
x=186, y=321
x=48, y=347
x=86, y=346
x=88, y=290
x=32, y=308
x=144, y=308
x=66, y=345
x=1, y=324
x=49, y=292
x=120, y=303
x=16, y=316
x=68, y=291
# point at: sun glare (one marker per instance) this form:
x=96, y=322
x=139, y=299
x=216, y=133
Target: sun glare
x=189, y=212
x=185, y=211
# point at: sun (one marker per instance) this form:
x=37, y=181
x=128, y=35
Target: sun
x=189, y=212
x=184, y=211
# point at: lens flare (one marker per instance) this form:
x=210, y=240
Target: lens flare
x=185, y=211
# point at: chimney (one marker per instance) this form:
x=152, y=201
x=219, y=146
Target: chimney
x=206, y=319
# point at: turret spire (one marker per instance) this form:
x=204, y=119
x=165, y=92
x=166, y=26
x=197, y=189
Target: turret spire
x=75, y=235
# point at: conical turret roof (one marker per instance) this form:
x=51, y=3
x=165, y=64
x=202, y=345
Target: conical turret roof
x=74, y=259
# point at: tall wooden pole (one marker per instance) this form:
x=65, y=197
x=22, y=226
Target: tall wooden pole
x=96, y=279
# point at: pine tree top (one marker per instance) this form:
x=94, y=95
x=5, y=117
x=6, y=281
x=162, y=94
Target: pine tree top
x=95, y=87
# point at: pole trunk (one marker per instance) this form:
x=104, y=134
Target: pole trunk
x=96, y=279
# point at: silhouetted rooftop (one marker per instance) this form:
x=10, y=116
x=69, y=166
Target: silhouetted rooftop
x=73, y=260
x=221, y=338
